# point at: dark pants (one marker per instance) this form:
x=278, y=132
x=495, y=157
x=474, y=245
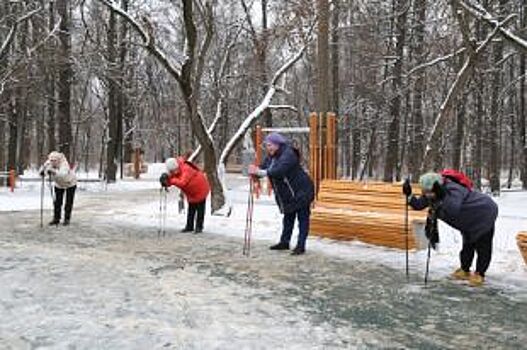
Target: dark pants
x=191, y=214
x=59, y=198
x=483, y=247
x=303, y=226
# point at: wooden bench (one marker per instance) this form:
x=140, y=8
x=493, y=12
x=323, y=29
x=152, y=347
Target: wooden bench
x=521, y=239
x=369, y=212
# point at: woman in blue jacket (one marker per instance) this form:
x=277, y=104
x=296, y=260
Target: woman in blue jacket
x=294, y=190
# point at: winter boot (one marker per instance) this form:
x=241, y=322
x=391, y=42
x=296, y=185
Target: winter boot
x=198, y=230
x=54, y=222
x=460, y=274
x=476, y=280
x=187, y=229
x=66, y=222
x=280, y=246
x=298, y=251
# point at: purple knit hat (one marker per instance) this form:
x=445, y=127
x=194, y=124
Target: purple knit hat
x=275, y=138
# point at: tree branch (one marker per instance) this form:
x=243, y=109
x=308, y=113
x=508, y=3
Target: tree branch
x=147, y=37
x=445, y=110
x=257, y=112
x=477, y=11
x=11, y=35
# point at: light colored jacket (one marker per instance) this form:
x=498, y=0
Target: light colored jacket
x=62, y=174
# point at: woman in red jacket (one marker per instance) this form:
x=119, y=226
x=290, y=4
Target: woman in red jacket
x=192, y=181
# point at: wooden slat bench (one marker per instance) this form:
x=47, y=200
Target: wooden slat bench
x=372, y=213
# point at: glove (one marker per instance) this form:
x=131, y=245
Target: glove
x=407, y=188
x=164, y=180
x=51, y=172
x=431, y=230
x=41, y=173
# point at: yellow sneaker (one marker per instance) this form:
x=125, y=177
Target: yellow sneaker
x=476, y=280
x=459, y=274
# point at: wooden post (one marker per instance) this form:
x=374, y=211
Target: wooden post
x=314, y=159
x=258, y=145
x=12, y=179
x=258, y=139
x=137, y=163
x=331, y=140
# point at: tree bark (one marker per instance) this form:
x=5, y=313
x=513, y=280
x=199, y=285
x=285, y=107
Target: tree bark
x=495, y=159
x=50, y=84
x=65, y=77
x=392, y=153
x=523, y=113
x=417, y=135
x=113, y=95
x=323, y=88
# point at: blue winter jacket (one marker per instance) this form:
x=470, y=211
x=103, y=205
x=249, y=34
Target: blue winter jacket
x=472, y=213
x=292, y=186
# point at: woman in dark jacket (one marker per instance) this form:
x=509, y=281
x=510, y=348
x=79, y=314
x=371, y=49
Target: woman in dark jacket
x=472, y=213
x=294, y=190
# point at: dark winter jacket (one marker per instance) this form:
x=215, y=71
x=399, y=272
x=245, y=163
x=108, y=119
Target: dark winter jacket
x=472, y=213
x=293, y=187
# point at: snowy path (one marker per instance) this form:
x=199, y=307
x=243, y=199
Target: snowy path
x=96, y=285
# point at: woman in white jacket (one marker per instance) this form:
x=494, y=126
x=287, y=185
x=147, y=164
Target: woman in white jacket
x=58, y=168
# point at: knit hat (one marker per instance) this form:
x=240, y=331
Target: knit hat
x=275, y=138
x=56, y=156
x=428, y=180
x=171, y=164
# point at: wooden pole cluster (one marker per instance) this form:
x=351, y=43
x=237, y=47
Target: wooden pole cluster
x=322, y=147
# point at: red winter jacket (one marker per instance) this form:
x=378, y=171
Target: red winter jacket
x=191, y=180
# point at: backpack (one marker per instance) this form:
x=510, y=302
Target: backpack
x=457, y=177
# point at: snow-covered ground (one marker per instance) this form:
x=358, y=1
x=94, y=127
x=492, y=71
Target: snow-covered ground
x=109, y=281
x=507, y=270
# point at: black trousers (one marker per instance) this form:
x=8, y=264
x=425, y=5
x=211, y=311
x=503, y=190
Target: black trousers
x=191, y=214
x=59, y=198
x=483, y=247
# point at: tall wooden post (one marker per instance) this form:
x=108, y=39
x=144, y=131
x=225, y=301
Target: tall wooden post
x=314, y=151
x=137, y=162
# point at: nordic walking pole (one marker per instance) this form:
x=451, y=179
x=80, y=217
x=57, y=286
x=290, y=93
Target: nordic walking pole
x=52, y=193
x=407, y=190
x=165, y=195
x=42, y=202
x=248, y=220
x=160, y=212
x=406, y=236
x=427, y=264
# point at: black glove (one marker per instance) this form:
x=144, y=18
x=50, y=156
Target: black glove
x=407, y=188
x=164, y=180
x=41, y=173
x=51, y=172
x=431, y=230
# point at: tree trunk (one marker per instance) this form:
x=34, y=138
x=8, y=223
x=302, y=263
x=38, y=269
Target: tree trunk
x=121, y=105
x=13, y=133
x=417, y=136
x=512, y=134
x=50, y=84
x=495, y=159
x=323, y=88
x=65, y=77
x=460, y=125
x=392, y=153
x=113, y=119
x=335, y=57
x=523, y=114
